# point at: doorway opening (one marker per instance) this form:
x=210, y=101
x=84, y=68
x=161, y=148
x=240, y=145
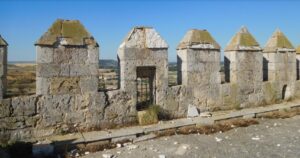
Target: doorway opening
x=145, y=84
x=283, y=95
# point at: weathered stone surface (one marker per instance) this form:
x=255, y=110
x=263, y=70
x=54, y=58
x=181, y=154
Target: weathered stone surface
x=5, y=108
x=192, y=111
x=278, y=42
x=114, y=113
x=60, y=67
x=243, y=40
x=24, y=106
x=66, y=32
x=53, y=109
x=89, y=84
x=198, y=39
x=44, y=54
x=65, y=85
x=143, y=37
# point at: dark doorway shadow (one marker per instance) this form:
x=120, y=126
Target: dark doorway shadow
x=283, y=95
x=265, y=69
x=227, y=69
x=297, y=68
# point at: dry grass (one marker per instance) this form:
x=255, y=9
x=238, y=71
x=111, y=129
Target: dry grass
x=280, y=114
x=20, y=80
x=208, y=129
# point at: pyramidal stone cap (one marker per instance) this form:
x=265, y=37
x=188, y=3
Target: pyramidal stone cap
x=198, y=39
x=243, y=40
x=143, y=37
x=278, y=42
x=67, y=32
x=298, y=50
x=3, y=42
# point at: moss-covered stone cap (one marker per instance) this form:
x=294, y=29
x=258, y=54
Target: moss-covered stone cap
x=243, y=40
x=278, y=42
x=67, y=32
x=198, y=39
x=143, y=37
x=298, y=50
x=3, y=42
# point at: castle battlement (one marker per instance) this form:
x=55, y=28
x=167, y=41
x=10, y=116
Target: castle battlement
x=67, y=92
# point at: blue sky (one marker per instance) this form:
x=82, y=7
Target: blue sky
x=23, y=22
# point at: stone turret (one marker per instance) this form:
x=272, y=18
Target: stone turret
x=143, y=60
x=198, y=56
x=3, y=66
x=243, y=68
x=67, y=60
x=280, y=64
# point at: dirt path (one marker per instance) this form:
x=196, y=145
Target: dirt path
x=269, y=139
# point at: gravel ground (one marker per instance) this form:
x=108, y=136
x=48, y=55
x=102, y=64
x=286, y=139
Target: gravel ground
x=269, y=139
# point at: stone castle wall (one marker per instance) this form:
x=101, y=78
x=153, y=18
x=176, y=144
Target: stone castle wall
x=67, y=97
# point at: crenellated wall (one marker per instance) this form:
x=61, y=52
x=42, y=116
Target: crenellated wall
x=67, y=97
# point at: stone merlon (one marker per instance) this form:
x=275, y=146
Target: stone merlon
x=3, y=42
x=198, y=39
x=278, y=42
x=67, y=32
x=144, y=37
x=243, y=40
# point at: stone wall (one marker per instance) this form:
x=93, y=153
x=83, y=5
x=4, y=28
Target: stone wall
x=67, y=97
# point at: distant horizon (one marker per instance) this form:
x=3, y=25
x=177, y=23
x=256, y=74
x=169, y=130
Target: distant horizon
x=24, y=22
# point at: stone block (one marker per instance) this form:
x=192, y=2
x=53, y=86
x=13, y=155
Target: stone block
x=5, y=108
x=47, y=70
x=78, y=56
x=192, y=111
x=89, y=84
x=65, y=85
x=42, y=85
x=93, y=55
x=24, y=106
x=44, y=55
x=53, y=109
x=3, y=55
x=84, y=70
x=2, y=70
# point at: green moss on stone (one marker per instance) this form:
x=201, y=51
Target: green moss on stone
x=242, y=39
x=72, y=31
x=278, y=40
x=195, y=37
x=3, y=42
x=298, y=50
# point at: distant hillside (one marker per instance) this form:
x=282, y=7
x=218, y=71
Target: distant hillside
x=108, y=64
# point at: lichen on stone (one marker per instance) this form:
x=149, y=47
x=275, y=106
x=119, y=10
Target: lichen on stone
x=278, y=41
x=298, y=50
x=2, y=42
x=67, y=32
x=198, y=39
x=243, y=40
